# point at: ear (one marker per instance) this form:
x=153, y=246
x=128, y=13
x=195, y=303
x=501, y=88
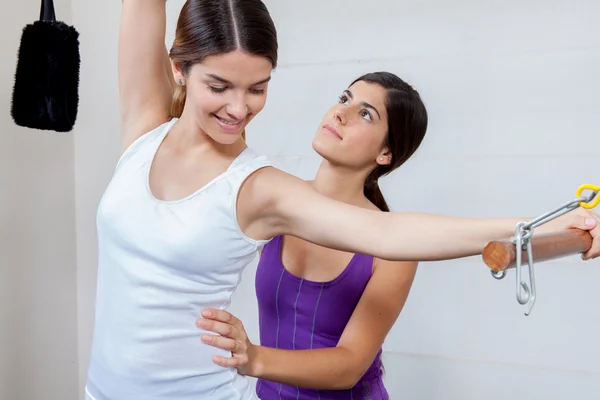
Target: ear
x=384, y=157
x=178, y=72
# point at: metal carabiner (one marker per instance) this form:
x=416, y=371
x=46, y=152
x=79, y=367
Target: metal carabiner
x=532, y=293
x=526, y=293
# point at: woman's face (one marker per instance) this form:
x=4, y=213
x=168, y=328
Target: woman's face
x=225, y=92
x=353, y=132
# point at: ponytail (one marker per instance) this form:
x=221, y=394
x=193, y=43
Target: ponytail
x=373, y=192
x=178, y=101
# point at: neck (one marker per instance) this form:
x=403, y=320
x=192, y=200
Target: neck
x=339, y=183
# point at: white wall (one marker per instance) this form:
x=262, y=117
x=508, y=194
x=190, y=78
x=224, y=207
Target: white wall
x=505, y=83
x=38, y=331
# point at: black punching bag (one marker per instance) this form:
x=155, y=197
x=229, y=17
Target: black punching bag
x=46, y=90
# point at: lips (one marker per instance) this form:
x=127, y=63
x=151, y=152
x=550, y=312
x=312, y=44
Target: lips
x=228, y=125
x=329, y=128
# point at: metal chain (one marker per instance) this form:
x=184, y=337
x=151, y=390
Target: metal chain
x=526, y=293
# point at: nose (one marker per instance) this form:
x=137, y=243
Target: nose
x=238, y=109
x=340, y=115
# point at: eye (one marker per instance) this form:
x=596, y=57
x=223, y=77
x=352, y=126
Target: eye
x=343, y=99
x=257, y=91
x=365, y=114
x=217, y=89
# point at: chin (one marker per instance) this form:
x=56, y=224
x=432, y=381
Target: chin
x=225, y=137
x=321, y=148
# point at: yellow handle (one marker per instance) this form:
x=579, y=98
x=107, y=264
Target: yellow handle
x=594, y=201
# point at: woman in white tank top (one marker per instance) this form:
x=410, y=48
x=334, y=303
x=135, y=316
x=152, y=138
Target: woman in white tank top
x=189, y=204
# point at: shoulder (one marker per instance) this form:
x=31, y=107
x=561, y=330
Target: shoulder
x=270, y=183
x=247, y=171
x=153, y=135
x=266, y=196
x=370, y=206
x=249, y=158
x=257, y=187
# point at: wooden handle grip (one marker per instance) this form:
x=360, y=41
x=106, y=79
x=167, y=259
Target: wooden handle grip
x=501, y=255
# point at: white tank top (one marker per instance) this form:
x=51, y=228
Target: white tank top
x=160, y=263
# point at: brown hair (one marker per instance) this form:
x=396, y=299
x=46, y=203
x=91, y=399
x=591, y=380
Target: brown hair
x=407, y=124
x=212, y=27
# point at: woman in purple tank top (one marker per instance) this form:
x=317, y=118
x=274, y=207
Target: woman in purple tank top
x=335, y=308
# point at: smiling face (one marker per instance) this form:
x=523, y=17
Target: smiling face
x=353, y=132
x=225, y=92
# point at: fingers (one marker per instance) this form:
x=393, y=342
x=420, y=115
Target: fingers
x=223, y=343
x=239, y=352
x=221, y=315
x=594, y=251
x=221, y=328
x=233, y=337
x=228, y=362
x=585, y=221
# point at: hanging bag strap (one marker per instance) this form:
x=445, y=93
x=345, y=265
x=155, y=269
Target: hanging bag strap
x=47, y=11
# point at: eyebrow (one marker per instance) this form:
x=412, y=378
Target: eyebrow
x=363, y=103
x=223, y=80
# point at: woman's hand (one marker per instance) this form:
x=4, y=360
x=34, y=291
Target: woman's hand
x=579, y=218
x=232, y=338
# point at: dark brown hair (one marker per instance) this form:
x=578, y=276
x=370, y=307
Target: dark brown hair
x=212, y=27
x=407, y=124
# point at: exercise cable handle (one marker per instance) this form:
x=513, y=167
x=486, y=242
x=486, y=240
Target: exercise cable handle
x=502, y=255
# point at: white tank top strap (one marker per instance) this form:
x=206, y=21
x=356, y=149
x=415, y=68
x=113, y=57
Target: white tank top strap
x=145, y=144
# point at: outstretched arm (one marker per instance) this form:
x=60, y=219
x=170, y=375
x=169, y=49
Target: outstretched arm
x=272, y=203
x=145, y=91
x=332, y=368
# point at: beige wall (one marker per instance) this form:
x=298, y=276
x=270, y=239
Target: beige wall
x=38, y=331
x=96, y=149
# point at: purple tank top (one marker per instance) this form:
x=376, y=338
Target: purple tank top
x=296, y=313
